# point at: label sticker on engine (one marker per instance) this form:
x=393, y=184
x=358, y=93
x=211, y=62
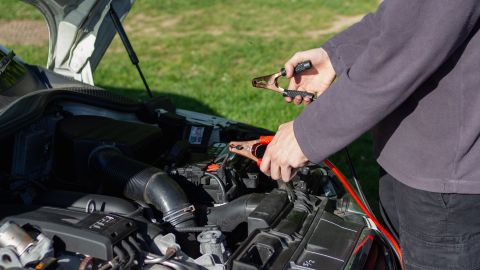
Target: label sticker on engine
x=196, y=135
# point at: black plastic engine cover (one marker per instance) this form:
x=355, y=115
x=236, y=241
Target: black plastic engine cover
x=301, y=236
x=92, y=234
x=268, y=210
x=76, y=137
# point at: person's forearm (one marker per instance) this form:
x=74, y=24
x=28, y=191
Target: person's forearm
x=415, y=39
x=344, y=48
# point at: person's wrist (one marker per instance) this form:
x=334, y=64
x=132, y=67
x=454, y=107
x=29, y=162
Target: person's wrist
x=327, y=65
x=330, y=50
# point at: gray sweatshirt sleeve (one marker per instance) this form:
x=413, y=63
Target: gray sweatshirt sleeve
x=344, y=48
x=415, y=38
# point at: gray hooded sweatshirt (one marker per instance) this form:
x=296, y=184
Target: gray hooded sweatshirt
x=410, y=71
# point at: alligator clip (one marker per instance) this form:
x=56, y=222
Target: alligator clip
x=271, y=82
x=255, y=150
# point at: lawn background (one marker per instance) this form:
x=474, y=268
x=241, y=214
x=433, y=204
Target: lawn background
x=203, y=54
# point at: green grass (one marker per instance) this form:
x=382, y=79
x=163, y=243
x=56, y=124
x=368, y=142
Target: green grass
x=203, y=54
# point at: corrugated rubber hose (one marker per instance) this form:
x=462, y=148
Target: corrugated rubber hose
x=141, y=182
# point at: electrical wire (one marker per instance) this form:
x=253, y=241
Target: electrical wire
x=155, y=259
x=182, y=265
x=225, y=161
x=223, y=189
x=393, y=242
x=110, y=264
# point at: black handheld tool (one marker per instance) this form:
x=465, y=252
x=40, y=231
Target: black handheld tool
x=271, y=81
x=301, y=67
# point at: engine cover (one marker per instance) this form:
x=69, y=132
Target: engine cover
x=303, y=234
x=92, y=234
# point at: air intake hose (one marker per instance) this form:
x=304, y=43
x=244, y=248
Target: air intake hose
x=230, y=215
x=141, y=182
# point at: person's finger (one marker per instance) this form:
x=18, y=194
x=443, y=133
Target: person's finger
x=298, y=100
x=275, y=173
x=293, y=85
x=288, y=99
x=275, y=139
x=292, y=62
x=286, y=172
x=307, y=100
x=265, y=165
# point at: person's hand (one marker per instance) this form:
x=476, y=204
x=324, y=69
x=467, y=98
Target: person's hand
x=314, y=80
x=283, y=155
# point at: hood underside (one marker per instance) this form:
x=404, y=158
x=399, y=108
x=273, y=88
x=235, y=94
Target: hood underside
x=80, y=32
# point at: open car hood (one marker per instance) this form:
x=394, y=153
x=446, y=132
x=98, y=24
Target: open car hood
x=80, y=32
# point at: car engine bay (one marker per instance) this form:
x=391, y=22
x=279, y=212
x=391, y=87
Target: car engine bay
x=84, y=191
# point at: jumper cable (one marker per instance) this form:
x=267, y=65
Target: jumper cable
x=370, y=215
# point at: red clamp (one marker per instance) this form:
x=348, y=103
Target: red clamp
x=253, y=150
x=265, y=139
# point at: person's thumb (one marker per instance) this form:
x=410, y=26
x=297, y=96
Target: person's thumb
x=292, y=62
